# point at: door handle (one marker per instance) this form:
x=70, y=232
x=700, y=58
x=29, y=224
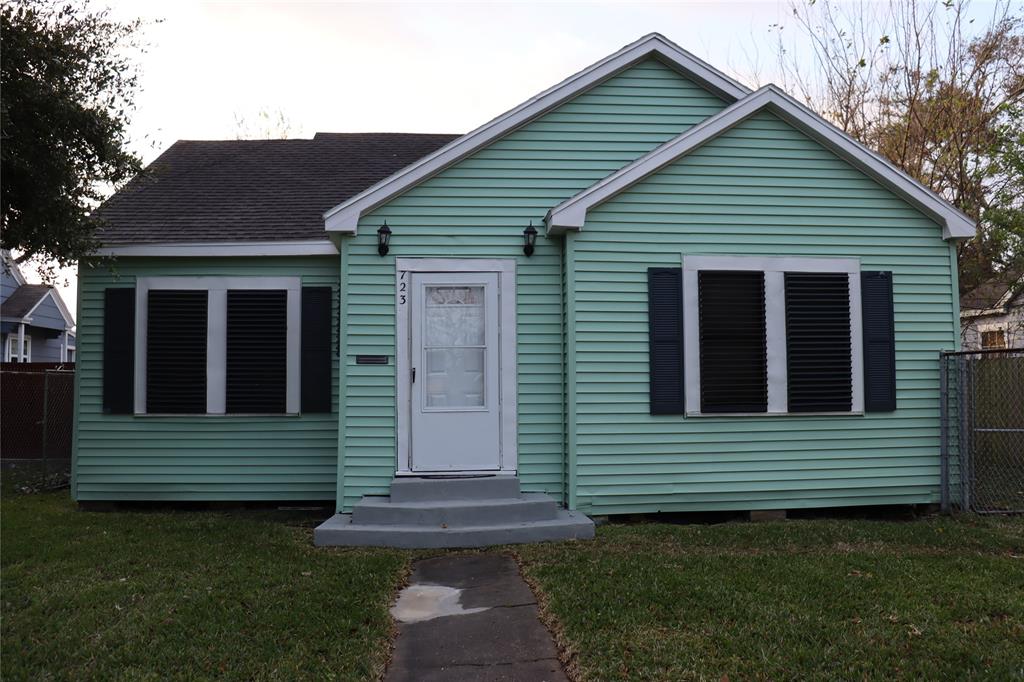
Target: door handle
x=414, y=375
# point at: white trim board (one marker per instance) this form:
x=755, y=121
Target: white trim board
x=774, y=269
x=571, y=214
x=317, y=247
x=344, y=217
x=508, y=372
x=216, y=333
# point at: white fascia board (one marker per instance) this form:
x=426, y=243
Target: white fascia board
x=344, y=217
x=571, y=214
x=318, y=247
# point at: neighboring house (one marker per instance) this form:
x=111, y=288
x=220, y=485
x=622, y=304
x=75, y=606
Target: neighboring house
x=730, y=305
x=992, y=315
x=35, y=325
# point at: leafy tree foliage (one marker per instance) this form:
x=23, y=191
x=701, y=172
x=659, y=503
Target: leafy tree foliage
x=936, y=91
x=67, y=82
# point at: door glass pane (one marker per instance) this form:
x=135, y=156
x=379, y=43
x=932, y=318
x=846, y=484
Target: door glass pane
x=455, y=377
x=454, y=316
x=455, y=346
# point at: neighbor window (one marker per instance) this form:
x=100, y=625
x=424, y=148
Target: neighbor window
x=772, y=335
x=993, y=338
x=11, y=353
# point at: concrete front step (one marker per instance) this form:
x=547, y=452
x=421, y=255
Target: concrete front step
x=525, y=507
x=339, y=530
x=446, y=489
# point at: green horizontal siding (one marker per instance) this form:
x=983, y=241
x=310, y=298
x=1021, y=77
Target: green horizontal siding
x=477, y=209
x=760, y=189
x=204, y=457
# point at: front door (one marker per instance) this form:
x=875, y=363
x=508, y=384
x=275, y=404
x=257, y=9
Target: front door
x=454, y=360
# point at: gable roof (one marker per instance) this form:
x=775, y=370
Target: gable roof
x=995, y=293
x=20, y=305
x=24, y=299
x=10, y=266
x=344, y=217
x=571, y=213
x=253, y=190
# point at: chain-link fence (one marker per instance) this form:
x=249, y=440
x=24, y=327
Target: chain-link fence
x=37, y=416
x=982, y=403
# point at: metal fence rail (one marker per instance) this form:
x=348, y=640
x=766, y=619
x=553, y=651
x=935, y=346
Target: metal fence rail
x=982, y=421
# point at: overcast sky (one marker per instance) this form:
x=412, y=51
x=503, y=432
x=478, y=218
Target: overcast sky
x=400, y=67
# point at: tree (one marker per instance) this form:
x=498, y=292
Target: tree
x=67, y=84
x=268, y=125
x=934, y=90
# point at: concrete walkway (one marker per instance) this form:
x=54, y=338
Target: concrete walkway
x=470, y=618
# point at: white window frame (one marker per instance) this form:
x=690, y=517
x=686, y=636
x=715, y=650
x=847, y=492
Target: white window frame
x=216, y=333
x=24, y=356
x=774, y=269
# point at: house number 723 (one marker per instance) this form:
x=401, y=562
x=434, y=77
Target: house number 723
x=401, y=288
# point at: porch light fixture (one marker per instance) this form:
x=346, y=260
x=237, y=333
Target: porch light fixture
x=529, y=239
x=383, y=239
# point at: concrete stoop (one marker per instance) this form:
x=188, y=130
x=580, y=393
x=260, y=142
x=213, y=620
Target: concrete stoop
x=426, y=513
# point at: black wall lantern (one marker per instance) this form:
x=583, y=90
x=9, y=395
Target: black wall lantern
x=529, y=239
x=383, y=239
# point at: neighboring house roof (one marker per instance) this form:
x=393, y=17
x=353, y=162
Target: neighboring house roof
x=9, y=266
x=24, y=300
x=571, y=213
x=253, y=190
x=20, y=305
x=993, y=295
x=345, y=216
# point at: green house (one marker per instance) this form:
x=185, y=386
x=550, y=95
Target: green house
x=646, y=289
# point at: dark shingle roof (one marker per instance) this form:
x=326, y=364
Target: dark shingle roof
x=259, y=190
x=989, y=293
x=23, y=300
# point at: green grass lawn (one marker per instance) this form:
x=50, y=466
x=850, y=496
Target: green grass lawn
x=186, y=595
x=823, y=599
x=244, y=595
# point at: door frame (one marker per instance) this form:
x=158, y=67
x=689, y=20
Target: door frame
x=508, y=431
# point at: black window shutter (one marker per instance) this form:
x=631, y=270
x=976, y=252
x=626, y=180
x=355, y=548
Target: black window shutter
x=176, y=351
x=665, y=313
x=119, y=351
x=879, y=341
x=256, y=372
x=818, y=360
x=733, y=341
x=316, y=349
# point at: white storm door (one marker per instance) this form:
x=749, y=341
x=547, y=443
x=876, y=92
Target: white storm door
x=456, y=421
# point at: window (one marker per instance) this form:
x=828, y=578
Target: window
x=819, y=347
x=176, y=340
x=217, y=345
x=733, y=350
x=256, y=376
x=771, y=335
x=11, y=353
x=993, y=338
